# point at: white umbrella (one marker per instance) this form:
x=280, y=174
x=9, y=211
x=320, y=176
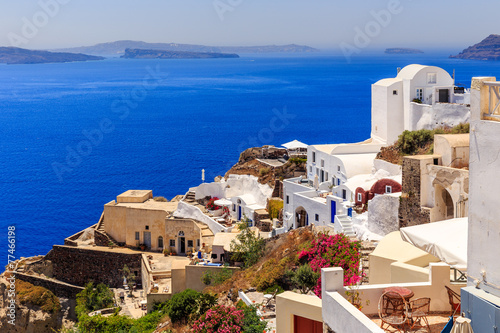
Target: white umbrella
x=295, y=144
x=223, y=202
x=446, y=240
x=462, y=325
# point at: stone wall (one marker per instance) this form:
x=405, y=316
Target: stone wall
x=410, y=210
x=60, y=289
x=78, y=266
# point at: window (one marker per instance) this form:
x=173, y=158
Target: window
x=314, y=157
x=181, y=233
x=172, y=242
x=431, y=78
x=214, y=256
x=420, y=94
x=316, y=217
x=338, y=168
x=287, y=199
x=322, y=163
x=198, y=242
x=344, y=194
x=234, y=207
x=338, y=181
x=137, y=235
x=360, y=197
x=395, y=92
x=147, y=227
x=326, y=175
x=388, y=189
x=190, y=243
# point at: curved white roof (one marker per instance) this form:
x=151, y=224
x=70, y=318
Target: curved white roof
x=356, y=164
x=410, y=71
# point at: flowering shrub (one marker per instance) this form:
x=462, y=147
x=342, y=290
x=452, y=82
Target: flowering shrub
x=220, y=318
x=211, y=204
x=333, y=251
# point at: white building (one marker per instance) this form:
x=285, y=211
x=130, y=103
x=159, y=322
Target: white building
x=420, y=97
x=481, y=299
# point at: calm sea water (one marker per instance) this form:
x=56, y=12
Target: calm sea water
x=199, y=115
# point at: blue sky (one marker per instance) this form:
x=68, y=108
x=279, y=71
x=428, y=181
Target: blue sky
x=319, y=23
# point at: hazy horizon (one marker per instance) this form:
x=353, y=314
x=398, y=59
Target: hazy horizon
x=323, y=24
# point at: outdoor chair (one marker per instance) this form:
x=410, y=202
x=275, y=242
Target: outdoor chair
x=454, y=299
x=418, y=311
x=393, y=311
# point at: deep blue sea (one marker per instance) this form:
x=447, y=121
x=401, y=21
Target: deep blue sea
x=155, y=124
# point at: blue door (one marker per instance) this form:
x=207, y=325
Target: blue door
x=349, y=212
x=239, y=213
x=334, y=210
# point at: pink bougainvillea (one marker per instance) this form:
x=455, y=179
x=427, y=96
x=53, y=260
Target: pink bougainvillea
x=220, y=319
x=333, y=251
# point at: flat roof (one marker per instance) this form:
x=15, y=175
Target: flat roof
x=149, y=204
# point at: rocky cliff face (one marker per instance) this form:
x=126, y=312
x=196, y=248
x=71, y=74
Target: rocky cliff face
x=488, y=49
x=31, y=318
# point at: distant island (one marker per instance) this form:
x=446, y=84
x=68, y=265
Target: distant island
x=487, y=49
x=159, y=54
x=401, y=50
x=119, y=47
x=17, y=56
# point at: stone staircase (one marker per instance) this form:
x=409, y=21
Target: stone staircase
x=190, y=198
x=207, y=236
x=346, y=225
x=367, y=248
x=103, y=239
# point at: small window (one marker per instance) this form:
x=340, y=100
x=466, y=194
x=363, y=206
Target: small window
x=388, y=189
x=316, y=217
x=287, y=199
x=431, y=78
x=344, y=194
x=190, y=243
x=314, y=157
x=147, y=227
x=360, y=197
x=436, y=161
x=172, y=242
x=198, y=242
x=338, y=168
x=137, y=235
x=326, y=175
x=395, y=92
x=338, y=181
x=234, y=207
x=214, y=256
x=322, y=163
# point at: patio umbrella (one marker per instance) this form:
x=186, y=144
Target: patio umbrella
x=295, y=144
x=462, y=325
x=223, y=202
x=446, y=240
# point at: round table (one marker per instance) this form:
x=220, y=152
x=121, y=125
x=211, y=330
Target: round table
x=395, y=292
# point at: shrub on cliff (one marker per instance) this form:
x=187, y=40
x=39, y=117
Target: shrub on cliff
x=249, y=248
x=31, y=295
x=92, y=299
x=184, y=306
x=223, y=318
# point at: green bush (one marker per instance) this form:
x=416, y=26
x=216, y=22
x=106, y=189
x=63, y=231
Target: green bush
x=298, y=161
x=249, y=248
x=92, y=299
x=264, y=171
x=101, y=324
x=252, y=322
x=189, y=305
x=216, y=277
x=305, y=278
x=274, y=206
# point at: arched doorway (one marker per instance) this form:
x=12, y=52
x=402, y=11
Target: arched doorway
x=301, y=217
x=445, y=209
x=239, y=210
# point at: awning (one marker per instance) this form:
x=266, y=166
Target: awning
x=446, y=240
x=223, y=202
x=294, y=145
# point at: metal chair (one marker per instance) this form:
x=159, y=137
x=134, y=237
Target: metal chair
x=418, y=312
x=454, y=299
x=393, y=311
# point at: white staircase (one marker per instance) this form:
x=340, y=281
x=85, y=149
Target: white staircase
x=344, y=225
